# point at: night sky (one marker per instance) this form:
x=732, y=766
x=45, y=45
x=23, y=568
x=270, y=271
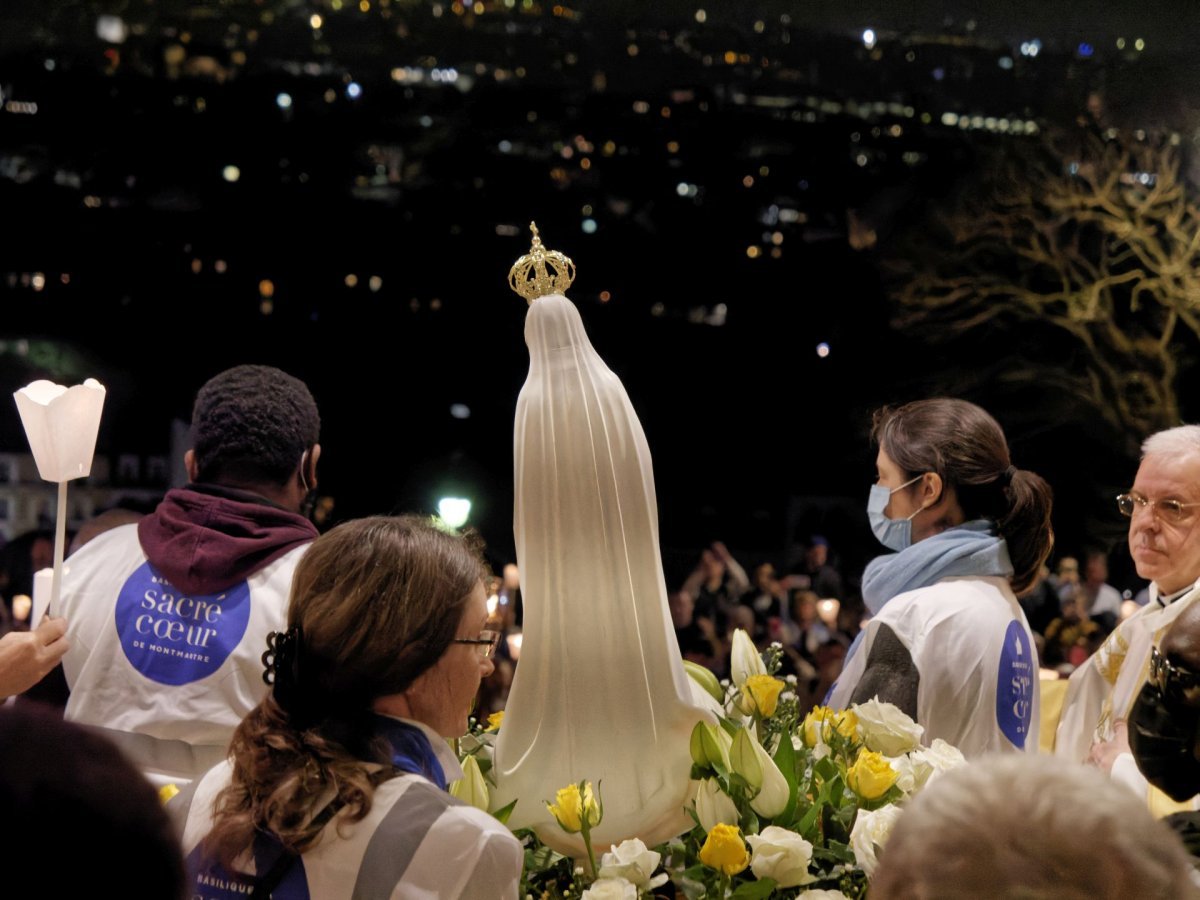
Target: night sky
x=120, y=182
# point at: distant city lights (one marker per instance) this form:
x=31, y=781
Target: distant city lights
x=112, y=29
x=1085, y=49
x=701, y=16
x=1031, y=48
x=231, y=173
x=460, y=411
x=589, y=226
x=868, y=38
x=354, y=90
x=822, y=349
x=283, y=100
x=1139, y=45
x=315, y=21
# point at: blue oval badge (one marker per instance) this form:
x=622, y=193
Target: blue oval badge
x=175, y=639
x=1015, y=683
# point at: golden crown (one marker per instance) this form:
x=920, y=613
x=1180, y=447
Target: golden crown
x=540, y=272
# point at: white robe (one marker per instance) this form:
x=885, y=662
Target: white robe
x=975, y=656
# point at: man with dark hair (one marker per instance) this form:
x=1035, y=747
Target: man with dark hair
x=169, y=617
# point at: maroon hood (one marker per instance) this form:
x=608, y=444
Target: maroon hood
x=205, y=539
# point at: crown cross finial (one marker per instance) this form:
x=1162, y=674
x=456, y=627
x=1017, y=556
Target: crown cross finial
x=540, y=272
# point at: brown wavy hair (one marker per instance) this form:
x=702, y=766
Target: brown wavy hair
x=377, y=601
x=966, y=447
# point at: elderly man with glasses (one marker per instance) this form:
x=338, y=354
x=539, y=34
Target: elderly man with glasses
x=1163, y=508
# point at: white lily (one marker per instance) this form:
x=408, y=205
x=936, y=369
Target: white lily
x=714, y=806
x=744, y=661
x=471, y=788
x=750, y=760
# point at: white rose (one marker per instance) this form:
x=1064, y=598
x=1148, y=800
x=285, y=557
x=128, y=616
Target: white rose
x=714, y=806
x=870, y=833
x=824, y=895
x=782, y=855
x=937, y=758
x=906, y=772
x=886, y=729
x=630, y=860
x=611, y=889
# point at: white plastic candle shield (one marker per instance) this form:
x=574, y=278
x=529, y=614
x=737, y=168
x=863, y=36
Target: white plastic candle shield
x=61, y=425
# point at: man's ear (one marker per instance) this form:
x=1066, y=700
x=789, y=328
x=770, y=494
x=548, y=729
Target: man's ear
x=189, y=464
x=309, y=466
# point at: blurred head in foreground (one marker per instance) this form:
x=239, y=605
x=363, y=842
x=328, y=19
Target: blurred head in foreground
x=1034, y=828
x=79, y=815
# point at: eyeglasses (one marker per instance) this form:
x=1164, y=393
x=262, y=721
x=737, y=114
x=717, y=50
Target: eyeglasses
x=1175, y=682
x=486, y=642
x=1168, y=510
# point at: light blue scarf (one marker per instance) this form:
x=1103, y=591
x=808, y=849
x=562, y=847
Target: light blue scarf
x=972, y=548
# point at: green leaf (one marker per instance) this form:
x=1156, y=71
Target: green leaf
x=825, y=768
x=749, y=821
x=501, y=815
x=805, y=826
x=754, y=890
x=693, y=888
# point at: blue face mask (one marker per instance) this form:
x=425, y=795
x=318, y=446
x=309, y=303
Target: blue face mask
x=895, y=534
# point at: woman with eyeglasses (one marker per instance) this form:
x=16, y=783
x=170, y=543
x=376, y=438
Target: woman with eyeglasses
x=335, y=786
x=948, y=642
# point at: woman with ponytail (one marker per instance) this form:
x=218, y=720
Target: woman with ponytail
x=335, y=786
x=948, y=642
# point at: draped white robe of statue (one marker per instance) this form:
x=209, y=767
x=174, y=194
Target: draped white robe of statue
x=600, y=692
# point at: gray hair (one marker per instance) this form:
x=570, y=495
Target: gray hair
x=1176, y=443
x=1034, y=827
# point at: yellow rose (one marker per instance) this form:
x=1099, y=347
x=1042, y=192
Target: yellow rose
x=764, y=692
x=567, y=809
x=573, y=805
x=494, y=721
x=822, y=722
x=592, y=810
x=725, y=850
x=871, y=775
x=846, y=723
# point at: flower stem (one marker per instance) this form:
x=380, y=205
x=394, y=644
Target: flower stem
x=586, y=831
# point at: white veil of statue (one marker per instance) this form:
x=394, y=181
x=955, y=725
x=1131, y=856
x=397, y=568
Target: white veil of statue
x=600, y=692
